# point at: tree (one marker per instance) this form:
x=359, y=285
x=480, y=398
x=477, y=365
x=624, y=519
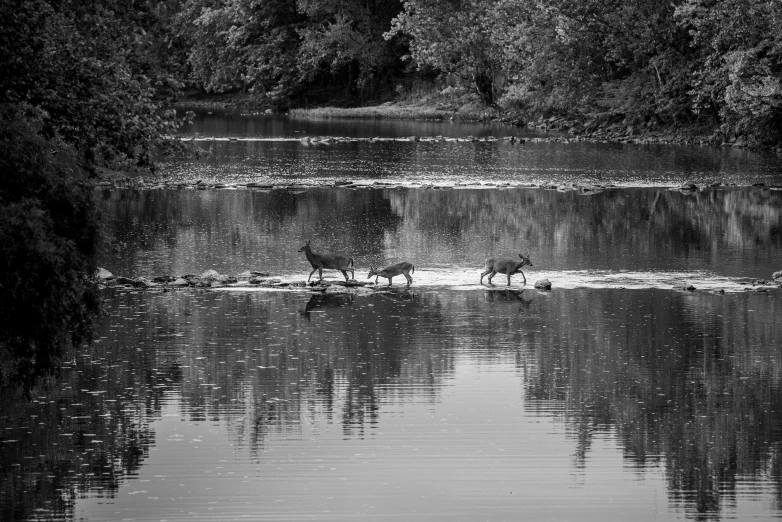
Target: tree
x=739, y=43
x=92, y=69
x=49, y=230
x=456, y=38
x=82, y=85
x=277, y=49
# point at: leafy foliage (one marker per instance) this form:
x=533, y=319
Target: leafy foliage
x=49, y=230
x=647, y=62
x=740, y=48
x=279, y=48
x=82, y=85
x=93, y=70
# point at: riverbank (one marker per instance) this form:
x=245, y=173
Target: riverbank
x=467, y=108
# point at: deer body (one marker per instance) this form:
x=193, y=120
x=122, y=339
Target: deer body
x=499, y=265
x=404, y=268
x=331, y=261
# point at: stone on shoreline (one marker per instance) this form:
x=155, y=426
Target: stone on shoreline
x=543, y=284
x=103, y=275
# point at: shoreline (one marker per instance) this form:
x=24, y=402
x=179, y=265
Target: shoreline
x=447, y=110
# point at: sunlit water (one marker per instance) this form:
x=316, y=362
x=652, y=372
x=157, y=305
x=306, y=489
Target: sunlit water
x=614, y=396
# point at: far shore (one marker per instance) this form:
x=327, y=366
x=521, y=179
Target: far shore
x=473, y=111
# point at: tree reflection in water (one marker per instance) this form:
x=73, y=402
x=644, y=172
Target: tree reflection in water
x=733, y=232
x=688, y=383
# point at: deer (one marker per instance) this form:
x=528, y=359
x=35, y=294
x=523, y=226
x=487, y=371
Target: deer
x=404, y=268
x=499, y=265
x=331, y=261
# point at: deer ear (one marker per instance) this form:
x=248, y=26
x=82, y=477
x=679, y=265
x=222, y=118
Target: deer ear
x=521, y=256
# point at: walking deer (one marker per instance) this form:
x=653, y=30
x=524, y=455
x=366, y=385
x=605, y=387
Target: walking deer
x=331, y=261
x=404, y=268
x=498, y=265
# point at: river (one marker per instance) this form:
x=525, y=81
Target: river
x=615, y=395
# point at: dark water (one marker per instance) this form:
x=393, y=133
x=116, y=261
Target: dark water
x=427, y=405
x=268, y=149
x=632, y=238
x=614, y=396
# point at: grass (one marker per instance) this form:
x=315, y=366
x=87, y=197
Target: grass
x=418, y=103
x=386, y=111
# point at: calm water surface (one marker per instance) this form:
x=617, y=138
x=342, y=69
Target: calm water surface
x=241, y=149
x=612, y=397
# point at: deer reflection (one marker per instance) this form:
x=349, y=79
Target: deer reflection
x=400, y=294
x=327, y=301
x=507, y=296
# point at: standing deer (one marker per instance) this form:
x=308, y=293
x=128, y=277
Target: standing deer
x=403, y=268
x=498, y=265
x=330, y=261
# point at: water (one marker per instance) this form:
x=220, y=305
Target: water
x=614, y=396
x=632, y=238
x=265, y=149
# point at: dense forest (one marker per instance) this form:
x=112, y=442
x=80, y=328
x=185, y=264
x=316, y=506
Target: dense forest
x=715, y=65
x=90, y=85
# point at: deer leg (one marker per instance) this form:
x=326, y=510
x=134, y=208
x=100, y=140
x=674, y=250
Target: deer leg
x=525, y=277
x=483, y=274
x=344, y=273
x=376, y=279
x=409, y=279
x=390, y=279
x=320, y=273
x=508, y=279
x=313, y=271
x=493, y=273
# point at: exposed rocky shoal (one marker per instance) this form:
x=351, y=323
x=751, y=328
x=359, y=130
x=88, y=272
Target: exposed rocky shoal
x=211, y=279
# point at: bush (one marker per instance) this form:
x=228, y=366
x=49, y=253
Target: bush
x=49, y=230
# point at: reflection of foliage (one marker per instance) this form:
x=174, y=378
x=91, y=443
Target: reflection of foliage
x=68, y=443
x=174, y=229
x=688, y=382
x=698, y=394
x=645, y=228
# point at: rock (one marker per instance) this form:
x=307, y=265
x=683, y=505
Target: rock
x=264, y=281
x=777, y=276
x=143, y=282
x=125, y=281
x=179, y=282
x=688, y=186
x=103, y=275
x=337, y=289
x=543, y=284
x=687, y=287
x=163, y=279
x=210, y=275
